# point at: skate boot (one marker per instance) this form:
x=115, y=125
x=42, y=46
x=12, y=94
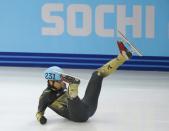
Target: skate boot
x=123, y=50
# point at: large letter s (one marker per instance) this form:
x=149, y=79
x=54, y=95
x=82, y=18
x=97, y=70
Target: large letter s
x=58, y=29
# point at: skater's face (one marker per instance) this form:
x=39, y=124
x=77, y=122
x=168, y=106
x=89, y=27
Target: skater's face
x=56, y=84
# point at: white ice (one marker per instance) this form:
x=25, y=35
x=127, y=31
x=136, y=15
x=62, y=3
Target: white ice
x=129, y=101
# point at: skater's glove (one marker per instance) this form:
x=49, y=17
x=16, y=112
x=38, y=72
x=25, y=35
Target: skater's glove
x=71, y=79
x=41, y=118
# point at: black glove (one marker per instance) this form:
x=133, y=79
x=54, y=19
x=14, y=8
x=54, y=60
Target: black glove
x=71, y=79
x=43, y=120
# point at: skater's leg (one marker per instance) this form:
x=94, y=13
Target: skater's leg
x=78, y=110
x=81, y=110
x=92, y=92
x=94, y=86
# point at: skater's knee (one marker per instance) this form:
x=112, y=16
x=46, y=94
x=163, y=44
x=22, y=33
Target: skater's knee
x=97, y=73
x=101, y=72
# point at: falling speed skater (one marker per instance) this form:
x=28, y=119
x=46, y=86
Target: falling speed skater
x=61, y=94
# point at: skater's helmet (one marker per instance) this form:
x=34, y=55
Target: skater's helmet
x=53, y=73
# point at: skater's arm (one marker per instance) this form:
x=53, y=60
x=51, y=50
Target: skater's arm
x=73, y=86
x=43, y=103
x=40, y=117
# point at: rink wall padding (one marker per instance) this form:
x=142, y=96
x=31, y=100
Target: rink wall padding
x=80, y=61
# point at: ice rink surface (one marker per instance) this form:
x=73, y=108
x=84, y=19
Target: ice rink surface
x=129, y=101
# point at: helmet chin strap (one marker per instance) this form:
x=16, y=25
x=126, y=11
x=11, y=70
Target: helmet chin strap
x=53, y=83
x=52, y=86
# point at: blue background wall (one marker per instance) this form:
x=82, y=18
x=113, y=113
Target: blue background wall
x=24, y=43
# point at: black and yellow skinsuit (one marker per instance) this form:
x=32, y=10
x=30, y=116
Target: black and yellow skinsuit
x=76, y=109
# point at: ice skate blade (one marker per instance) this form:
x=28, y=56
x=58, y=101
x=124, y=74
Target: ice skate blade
x=133, y=48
